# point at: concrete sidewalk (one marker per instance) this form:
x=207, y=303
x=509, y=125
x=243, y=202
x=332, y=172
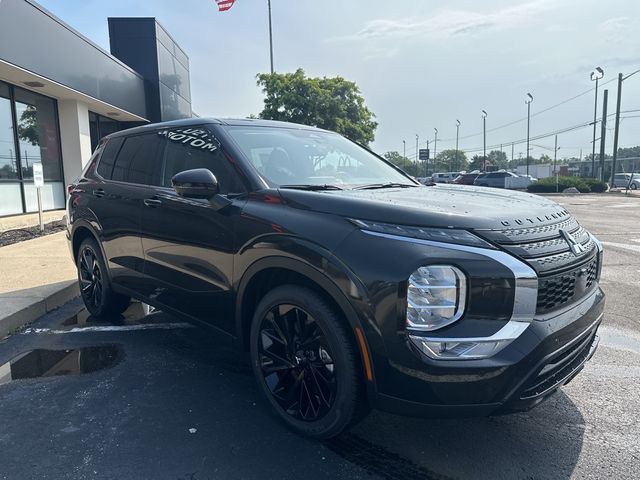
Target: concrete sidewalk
x=36, y=276
x=29, y=220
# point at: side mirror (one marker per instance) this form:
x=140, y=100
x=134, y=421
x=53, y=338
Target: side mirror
x=196, y=183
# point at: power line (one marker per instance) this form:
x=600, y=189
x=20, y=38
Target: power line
x=535, y=114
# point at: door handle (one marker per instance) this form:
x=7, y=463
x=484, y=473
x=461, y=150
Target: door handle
x=152, y=202
x=98, y=193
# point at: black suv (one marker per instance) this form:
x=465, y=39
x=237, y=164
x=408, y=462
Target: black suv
x=351, y=285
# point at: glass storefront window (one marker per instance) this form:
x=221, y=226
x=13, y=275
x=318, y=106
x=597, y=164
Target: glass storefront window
x=28, y=134
x=101, y=126
x=8, y=162
x=38, y=134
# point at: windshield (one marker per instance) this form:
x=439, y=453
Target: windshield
x=287, y=156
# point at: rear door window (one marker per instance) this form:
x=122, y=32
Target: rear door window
x=139, y=160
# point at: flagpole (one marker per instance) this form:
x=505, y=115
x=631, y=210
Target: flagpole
x=270, y=37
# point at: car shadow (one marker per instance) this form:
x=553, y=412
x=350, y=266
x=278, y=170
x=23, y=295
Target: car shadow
x=543, y=443
x=182, y=403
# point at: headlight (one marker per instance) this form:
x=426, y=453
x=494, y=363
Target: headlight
x=444, y=235
x=436, y=297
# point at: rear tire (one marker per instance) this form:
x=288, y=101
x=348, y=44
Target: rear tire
x=305, y=364
x=95, y=288
x=634, y=186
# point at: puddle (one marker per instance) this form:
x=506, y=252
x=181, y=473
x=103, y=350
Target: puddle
x=132, y=315
x=53, y=363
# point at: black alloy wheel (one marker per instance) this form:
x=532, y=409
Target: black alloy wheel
x=90, y=277
x=98, y=296
x=296, y=362
x=306, y=363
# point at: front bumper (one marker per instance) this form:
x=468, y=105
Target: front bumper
x=549, y=354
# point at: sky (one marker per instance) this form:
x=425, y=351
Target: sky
x=419, y=64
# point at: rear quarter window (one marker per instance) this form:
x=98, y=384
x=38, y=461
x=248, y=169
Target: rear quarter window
x=106, y=161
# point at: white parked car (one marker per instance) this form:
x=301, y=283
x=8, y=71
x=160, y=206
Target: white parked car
x=622, y=180
x=446, y=177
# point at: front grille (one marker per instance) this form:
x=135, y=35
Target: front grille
x=557, y=290
x=558, y=369
x=563, y=276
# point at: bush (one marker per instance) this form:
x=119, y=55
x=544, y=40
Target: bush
x=584, y=185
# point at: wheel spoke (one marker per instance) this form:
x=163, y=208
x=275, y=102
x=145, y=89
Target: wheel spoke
x=296, y=362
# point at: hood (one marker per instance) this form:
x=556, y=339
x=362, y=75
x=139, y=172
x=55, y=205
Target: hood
x=441, y=205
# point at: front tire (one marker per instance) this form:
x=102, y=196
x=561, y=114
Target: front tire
x=98, y=296
x=634, y=186
x=305, y=364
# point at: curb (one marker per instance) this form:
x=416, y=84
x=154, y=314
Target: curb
x=67, y=291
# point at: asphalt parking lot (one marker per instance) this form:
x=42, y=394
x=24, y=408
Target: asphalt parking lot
x=164, y=400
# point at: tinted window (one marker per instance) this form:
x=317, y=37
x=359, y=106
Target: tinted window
x=139, y=159
x=105, y=165
x=189, y=148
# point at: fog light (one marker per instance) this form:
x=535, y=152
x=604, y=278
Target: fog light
x=469, y=348
x=436, y=297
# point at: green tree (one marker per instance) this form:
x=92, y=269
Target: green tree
x=28, y=126
x=498, y=159
x=450, y=160
x=477, y=163
x=406, y=164
x=331, y=103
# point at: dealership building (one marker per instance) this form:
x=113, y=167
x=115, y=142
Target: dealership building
x=60, y=93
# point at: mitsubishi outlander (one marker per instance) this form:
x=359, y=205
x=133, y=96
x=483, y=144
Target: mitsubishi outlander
x=351, y=285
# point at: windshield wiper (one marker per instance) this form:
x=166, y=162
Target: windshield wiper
x=312, y=187
x=384, y=185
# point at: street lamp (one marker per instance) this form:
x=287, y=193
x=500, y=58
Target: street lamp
x=457, y=132
x=528, y=101
x=484, y=140
x=595, y=76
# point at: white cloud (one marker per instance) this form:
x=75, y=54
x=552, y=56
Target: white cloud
x=449, y=23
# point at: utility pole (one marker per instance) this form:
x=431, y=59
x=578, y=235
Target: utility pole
x=404, y=148
x=426, y=163
x=270, y=37
x=512, y=152
x=603, y=133
x=417, y=138
x=457, y=133
x=555, y=169
x=528, y=102
x=484, y=140
x=617, y=127
x=435, y=143
x=595, y=75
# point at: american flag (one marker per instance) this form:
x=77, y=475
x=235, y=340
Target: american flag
x=224, y=5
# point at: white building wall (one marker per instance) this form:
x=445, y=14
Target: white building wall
x=75, y=137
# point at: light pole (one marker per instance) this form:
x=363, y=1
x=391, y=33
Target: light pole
x=528, y=101
x=595, y=75
x=270, y=37
x=435, y=143
x=417, y=138
x=484, y=140
x=404, y=148
x=457, y=132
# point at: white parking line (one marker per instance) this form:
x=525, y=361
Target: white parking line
x=111, y=328
x=624, y=246
x=624, y=205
